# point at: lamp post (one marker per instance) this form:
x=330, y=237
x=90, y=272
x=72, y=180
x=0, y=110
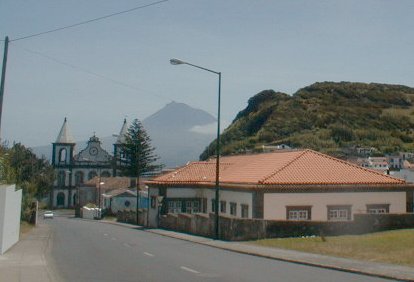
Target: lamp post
x=100, y=182
x=3, y=74
x=217, y=186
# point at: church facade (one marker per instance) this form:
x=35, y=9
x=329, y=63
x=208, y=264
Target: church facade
x=72, y=170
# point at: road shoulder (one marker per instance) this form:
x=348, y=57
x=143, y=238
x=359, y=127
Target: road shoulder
x=28, y=259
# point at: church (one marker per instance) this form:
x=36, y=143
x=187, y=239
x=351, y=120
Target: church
x=72, y=170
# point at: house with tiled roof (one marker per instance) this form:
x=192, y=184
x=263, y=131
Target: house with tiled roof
x=282, y=185
x=117, y=193
x=120, y=199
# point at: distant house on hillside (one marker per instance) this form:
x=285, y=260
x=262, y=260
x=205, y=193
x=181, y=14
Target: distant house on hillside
x=397, y=161
x=376, y=163
x=285, y=185
x=272, y=148
x=365, y=151
x=406, y=172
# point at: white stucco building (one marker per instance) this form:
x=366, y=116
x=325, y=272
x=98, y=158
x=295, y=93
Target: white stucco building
x=285, y=185
x=120, y=200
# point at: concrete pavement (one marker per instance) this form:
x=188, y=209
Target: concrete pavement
x=27, y=260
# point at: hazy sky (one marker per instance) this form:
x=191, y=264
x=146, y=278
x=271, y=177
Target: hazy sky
x=96, y=74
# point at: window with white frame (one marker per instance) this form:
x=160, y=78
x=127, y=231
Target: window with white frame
x=244, y=211
x=298, y=212
x=339, y=213
x=192, y=206
x=61, y=178
x=174, y=206
x=233, y=208
x=378, y=208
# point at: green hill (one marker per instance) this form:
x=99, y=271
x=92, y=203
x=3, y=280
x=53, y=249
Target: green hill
x=329, y=117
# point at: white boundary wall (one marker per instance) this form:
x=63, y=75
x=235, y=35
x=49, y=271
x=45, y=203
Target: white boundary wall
x=91, y=213
x=10, y=209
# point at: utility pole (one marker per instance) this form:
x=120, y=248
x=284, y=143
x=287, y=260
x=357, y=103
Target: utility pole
x=3, y=76
x=137, y=179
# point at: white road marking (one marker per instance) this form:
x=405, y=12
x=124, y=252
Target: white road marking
x=189, y=270
x=126, y=245
x=105, y=234
x=148, y=254
x=113, y=238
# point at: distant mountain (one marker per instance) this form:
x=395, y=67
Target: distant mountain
x=178, y=132
x=331, y=117
x=178, y=116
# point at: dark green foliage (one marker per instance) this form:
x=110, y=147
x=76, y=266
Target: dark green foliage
x=256, y=102
x=34, y=176
x=328, y=117
x=138, y=152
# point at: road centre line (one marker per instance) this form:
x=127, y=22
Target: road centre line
x=189, y=270
x=148, y=254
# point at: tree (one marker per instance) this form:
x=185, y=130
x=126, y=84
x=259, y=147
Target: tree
x=34, y=176
x=139, y=156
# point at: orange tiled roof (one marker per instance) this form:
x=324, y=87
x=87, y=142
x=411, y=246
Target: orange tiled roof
x=110, y=182
x=305, y=167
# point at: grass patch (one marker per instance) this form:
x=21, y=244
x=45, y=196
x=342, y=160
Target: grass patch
x=395, y=247
x=110, y=218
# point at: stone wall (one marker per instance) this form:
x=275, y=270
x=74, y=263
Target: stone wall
x=240, y=229
x=129, y=216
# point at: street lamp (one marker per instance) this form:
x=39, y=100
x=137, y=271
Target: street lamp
x=100, y=182
x=217, y=218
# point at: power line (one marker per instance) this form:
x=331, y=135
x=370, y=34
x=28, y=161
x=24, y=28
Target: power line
x=95, y=74
x=88, y=21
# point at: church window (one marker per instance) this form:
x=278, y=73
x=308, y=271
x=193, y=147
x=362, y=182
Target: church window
x=60, y=199
x=105, y=174
x=62, y=155
x=91, y=175
x=79, y=177
x=61, y=178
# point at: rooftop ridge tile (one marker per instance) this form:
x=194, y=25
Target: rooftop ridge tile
x=263, y=180
x=355, y=165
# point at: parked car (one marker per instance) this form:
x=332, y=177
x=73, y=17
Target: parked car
x=48, y=214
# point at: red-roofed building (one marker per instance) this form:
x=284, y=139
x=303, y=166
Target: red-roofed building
x=285, y=185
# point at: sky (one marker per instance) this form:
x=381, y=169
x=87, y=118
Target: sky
x=98, y=73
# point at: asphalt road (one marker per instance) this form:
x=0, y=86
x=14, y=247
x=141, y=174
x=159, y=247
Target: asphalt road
x=92, y=251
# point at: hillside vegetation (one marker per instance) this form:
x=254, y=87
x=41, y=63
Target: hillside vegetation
x=329, y=117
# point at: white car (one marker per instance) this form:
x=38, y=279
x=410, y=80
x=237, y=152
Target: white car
x=48, y=214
